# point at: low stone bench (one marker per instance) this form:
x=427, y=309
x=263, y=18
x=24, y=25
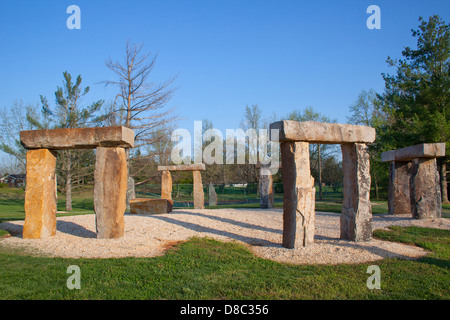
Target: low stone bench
x=150, y=206
x=414, y=180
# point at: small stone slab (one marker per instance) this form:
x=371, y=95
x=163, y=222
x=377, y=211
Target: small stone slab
x=325, y=133
x=77, y=138
x=424, y=150
x=183, y=167
x=150, y=206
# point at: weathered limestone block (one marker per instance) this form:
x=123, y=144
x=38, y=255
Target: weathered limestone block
x=151, y=206
x=425, y=189
x=40, y=195
x=166, y=185
x=399, y=188
x=77, y=138
x=265, y=189
x=299, y=195
x=212, y=198
x=199, y=197
x=110, y=190
x=320, y=132
x=424, y=150
x=419, y=173
x=356, y=217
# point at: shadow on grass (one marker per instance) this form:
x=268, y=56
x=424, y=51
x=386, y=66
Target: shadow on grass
x=437, y=262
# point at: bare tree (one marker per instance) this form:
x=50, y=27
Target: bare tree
x=140, y=104
x=14, y=119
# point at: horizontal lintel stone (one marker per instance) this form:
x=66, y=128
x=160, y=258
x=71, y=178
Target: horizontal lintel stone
x=77, y=138
x=183, y=167
x=324, y=133
x=424, y=150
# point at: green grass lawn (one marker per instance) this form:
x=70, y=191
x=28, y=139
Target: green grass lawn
x=208, y=269
x=12, y=204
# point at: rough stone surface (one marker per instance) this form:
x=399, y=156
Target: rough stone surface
x=299, y=196
x=77, y=138
x=265, y=189
x=150, y=206
x=424, y=150
x=166, y=185
x=425, y=189
x=199, y=196
x=110, y=192
x=183, y=167
x=40, y=195
x=399, y=188
x=212, y=197
x=356, y=217
x=319, y=132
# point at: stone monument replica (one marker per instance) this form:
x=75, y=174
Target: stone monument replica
x=110, y=177
x=166, y=182
x=299, y=191
x=414, y=180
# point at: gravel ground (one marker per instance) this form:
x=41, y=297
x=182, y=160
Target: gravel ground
x=260, y=230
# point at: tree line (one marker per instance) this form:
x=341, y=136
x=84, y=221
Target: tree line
x=412, y=109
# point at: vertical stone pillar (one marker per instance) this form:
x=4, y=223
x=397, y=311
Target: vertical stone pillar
x=40, y=195
x=199, y=197
x=399, y=187
x=212, y=196
x=265, y=188
x=299, y=195
x=356, y=217
x=425, y=189
x=166, y=185
x=110, y=178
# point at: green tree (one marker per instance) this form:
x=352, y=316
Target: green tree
x=69, y=113
x=251, y=121
x=417, y=95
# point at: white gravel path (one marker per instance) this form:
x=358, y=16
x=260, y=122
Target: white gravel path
x=259, y=229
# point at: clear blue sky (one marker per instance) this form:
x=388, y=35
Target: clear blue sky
x=282, y=55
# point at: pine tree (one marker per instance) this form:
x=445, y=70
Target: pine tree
x=417, y=96
x=68, y=113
